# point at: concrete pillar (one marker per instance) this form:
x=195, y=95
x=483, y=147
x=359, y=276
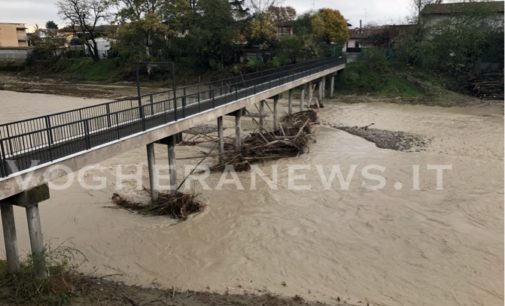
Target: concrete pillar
x=172, y=166
x=290, y=106
x=276, y=100
x=9, y=229
x=321, y=90
x=332, y=86
x=153, y=173
x=311, y=94
x=302, y=97
x=221, y=137
x=262, y=112
x=36, y=240
x=238, y=130
x=324, y=88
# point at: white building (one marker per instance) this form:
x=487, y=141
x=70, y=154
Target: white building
x=103, y=45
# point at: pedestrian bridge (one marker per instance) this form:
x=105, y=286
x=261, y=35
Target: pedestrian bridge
x=88, y=135
x=85, y=136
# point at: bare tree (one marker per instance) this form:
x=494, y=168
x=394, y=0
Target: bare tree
x=260, y=6
x=85, y=14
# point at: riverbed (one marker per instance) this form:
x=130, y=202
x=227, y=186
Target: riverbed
x=404, y=244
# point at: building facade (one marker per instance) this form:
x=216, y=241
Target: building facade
x=13, y=35
x=491, y=12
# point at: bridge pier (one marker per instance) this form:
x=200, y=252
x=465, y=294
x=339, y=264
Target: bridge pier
x=10, y=240
x=170, y=142
x=262, y=113
x=153, y=173
x=36, y=240
x=332, y=86
x=221, y=137
x=172, y=166
x=302, y=97
x=321, y=90
x=30, y=200
x=276, y=100
x=290, y=98
x=238, y=129
x=311, y=94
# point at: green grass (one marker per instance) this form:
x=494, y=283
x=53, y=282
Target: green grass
x=359, y=78
x=85, y=69
x=23, y=288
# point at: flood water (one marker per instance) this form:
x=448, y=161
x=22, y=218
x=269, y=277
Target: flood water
x=394, y=246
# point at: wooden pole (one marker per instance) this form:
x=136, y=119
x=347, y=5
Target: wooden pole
x=172, y=166
x=10, y=241
x=153, y=173
x=221, y=137
x=36, y=240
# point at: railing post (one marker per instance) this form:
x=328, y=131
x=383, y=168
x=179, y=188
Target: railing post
x=151, y=99
x=9, y=139
x=117, y=125
x=184, y=107
x=49, y=136
x=86, y=134
x=175, y=108
x=184, y=102
x=108, y=115
x=3, y=166
x=198, y=96
x=175, y=104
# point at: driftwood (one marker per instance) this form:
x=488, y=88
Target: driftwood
x=178, y=206
x=487, y=86
x=291, y=139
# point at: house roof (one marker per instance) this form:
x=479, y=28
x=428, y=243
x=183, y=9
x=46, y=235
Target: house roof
x=461, y=7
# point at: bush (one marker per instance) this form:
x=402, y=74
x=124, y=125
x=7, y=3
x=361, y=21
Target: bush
x=374, y=72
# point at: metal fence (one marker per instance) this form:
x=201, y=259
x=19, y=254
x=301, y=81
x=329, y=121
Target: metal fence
x=26, y=143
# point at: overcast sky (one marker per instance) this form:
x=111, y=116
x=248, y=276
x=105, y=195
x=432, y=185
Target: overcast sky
x=33, y=12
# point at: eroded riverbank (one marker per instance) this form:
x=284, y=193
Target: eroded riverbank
x=391, y=247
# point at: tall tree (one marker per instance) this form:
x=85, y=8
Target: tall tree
x=214, y=31
x=330, y=26
x=141, y=17
x=85, y=14
x=51, y=25
x=281, y=14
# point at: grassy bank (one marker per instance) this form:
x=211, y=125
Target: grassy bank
x=374, y=74
x=115, y=70
x=65, y=286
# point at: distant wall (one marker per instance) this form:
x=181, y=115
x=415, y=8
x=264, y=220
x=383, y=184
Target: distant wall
x=14, y=54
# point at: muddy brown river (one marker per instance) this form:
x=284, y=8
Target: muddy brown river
x=404, y=244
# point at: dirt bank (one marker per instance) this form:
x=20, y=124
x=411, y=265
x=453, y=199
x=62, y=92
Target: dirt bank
x=13, y=82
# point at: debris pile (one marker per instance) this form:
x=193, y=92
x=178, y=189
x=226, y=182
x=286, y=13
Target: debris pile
x=488, y=86
x=178, y=205
x=290, y=139
x=199, y=134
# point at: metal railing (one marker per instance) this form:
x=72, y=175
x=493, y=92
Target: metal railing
x=48, y=138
